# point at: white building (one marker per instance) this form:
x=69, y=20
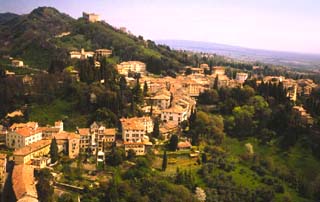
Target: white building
x=125, y=68
x=161, y=101
x=91, y=17
x=218, y=70
x=241, y=77
x=134, y=129
x=138, y=147
x=17, y=63
x=175, y=114
x=22, y=136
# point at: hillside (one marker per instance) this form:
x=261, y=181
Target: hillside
x=4, y=17
x=32, y=37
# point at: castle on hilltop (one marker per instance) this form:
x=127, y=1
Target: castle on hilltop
x=91, y=17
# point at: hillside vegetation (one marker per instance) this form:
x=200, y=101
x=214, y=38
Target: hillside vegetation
x=32, y=37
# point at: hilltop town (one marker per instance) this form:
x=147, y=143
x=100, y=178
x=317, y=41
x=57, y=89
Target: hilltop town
x=95, y=127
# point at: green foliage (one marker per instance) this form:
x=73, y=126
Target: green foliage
x=216, y=83
x=173, y=143
x=115, y=158
x=66, y=197
x=208, y=97
x=44, y=187
x=164, y=161
x=131, y=154
x=156, y=129
x=54, y=155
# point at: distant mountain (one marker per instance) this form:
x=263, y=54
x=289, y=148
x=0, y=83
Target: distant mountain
x=34, y=38
x=289, y=59
x=4, y=17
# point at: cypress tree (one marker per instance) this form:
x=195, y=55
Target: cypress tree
x=216, y=82
x=145, y=88
x=164, y=161
x=54, y=150
x=156, y=130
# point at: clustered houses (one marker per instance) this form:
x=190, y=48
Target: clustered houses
x=99, y=53
x=301, y=117
x=32, y=143
x=293, y=87
x=125, y=68
x=93, y=139
x=134, y=133
x=198, y=76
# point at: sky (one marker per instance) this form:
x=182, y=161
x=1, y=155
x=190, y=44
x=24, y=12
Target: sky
x=283, y=25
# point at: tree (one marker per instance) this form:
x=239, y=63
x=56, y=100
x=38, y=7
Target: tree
x=145, y=88
x=116, y=157
x=188, y=71
x=173, y=143
x=66, y=197
x=44, y=187
x=208, y=97
x=131, y=154
x=204, y=158
x=54, y=155
x=244, y=123
x=156, y=129
x=164, y=161
x=216, y=83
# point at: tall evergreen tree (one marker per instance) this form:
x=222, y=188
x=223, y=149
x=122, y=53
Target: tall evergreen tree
x=145, y=88
x=54, y=150
x=173, y=143
x=216, y=82
x=164, y=161
x=156, y=130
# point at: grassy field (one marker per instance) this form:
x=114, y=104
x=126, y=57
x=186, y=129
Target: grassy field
x=58, y=110
x=299, y=159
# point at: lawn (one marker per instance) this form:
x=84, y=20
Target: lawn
x=58, y=110
x=297, y=158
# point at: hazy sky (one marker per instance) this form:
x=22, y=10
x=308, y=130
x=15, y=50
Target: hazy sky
x=289, y=25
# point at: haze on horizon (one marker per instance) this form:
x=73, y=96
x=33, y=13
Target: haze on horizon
x=286, y=25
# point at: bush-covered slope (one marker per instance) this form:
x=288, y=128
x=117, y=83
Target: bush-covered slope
x=32, y=37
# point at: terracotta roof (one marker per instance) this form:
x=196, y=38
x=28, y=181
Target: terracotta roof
x=132, y=63
x=27, y=132
x=74, y=53
x=84, y=131
x=132, y=125
x=2, y=162
x=185, y=144
x=65, y=136
x=104, y=50
x=160, y=97
x=49, y=129
x=23, y=182
x=31, y=148
x=3, y=155
x=135, y=123
x=33, y=125
x=175, y=109
x=110, y=131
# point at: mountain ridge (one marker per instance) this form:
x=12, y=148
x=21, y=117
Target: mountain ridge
x=291, y=59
